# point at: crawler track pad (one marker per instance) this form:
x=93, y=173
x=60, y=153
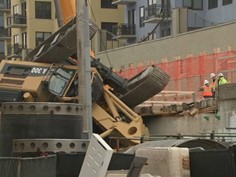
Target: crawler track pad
x=145, y=85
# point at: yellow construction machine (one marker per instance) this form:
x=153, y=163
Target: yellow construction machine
x=40, y=97
x=42, y=82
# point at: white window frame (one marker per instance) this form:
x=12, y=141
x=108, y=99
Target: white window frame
x=15, y=9
x=16, y=39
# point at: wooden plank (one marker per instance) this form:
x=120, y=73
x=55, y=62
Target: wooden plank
x=163, y=102
x=177, y=92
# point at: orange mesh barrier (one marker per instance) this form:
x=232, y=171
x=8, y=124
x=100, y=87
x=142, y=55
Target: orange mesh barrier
x=189, y=73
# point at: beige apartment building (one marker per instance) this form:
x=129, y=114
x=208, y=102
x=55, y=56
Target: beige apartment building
x=107, y=16
x=33, y=21
x=5, y=33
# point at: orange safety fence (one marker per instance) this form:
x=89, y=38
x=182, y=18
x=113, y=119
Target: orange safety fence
x=188, y=74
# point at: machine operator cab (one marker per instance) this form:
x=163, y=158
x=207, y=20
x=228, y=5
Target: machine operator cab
x=63, y=83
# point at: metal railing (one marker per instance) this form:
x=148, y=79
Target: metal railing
x=108, y=41
x=14, y=49
x=123, y=1
x=17, y=51
x=156, y=10
x=2, y=56
x=124, y=29
x=5, y=33
x=16, y=19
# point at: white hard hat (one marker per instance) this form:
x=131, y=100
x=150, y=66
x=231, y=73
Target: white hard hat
x=220, y=74
x=213, y=75
x=206, y=82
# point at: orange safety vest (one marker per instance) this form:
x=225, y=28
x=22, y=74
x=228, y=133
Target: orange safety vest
x=207, y=91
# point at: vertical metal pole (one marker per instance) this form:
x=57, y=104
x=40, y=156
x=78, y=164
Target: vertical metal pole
x=84, y=74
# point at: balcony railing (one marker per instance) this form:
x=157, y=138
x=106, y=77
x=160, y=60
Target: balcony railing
x=124, y=31
x=5, y=34
x=5, y=6
x=17, y=51
x=119, y=2
x=2, y=56
x=107, y=40
x=14, y=49
x=155, y=13
x=16, y=21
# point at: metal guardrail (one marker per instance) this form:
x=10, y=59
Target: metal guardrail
x=124, y=29
x=123, y=1
x=13, y=49
x=16, y=19
x=156, y=10
x=5, y=32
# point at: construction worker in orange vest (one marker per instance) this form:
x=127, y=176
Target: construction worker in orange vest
x=207, y=90
x=213, y=84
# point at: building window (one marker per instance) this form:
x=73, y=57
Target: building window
x=8, y=4
x=108, y=26
x=187, y=3
x=43, y=10
x=226, y=2
x=24, y=40
x=108, y=4
x=16, y=39
x=8, y=21
x=151, y=2
x=212, y=4
x=15, y=9
x=141, y=17
x=23, y=8
x=16, y=46
x=193, y=4
x=131, y=17
x=41, y=36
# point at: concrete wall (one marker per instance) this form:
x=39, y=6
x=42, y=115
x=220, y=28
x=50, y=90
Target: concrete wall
x=227, y=109
x=209, y=17
x=207, y=39
x=195, y=125
x=185, y=125
x=222, y=122
x=222, y=13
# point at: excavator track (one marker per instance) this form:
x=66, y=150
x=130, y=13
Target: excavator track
x=59, y=46
x=145, y=85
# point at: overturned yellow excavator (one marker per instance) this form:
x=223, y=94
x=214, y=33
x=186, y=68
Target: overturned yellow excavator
x=40, y=106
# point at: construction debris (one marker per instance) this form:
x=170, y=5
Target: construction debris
x=162, y=108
